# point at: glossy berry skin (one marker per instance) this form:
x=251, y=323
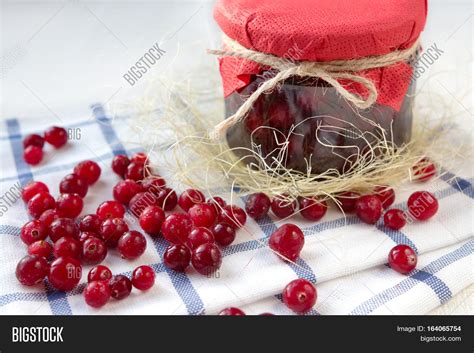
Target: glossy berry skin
x=88, y=170
x=125, y=190
x=257, y=205
x=97, y=294
x=56, y=136
x=40, y=248
x=49, y=216
x=369, y=208
x=141, y=201
x=283, y=208
x=143, y=278
x=386, y=195
x=231, y=312
x=63, y=227
x=131, y=245
x=177, y=257
x=151, y=220
x=73, y=184
x=120, y=164
x=83, y=236
x=110, y=209
x=424, y=170
x=167, y=199
x=120, y=287
x=139, y=157
x=288, y=241
x=65, y=273
x=153, y=184
x=422, y=205
x=312, y=209
x=189, y=198
x=111, y=230
x=206, y=259
x=99, y=273
x=402, y=259
x=39, y=203
x=94, y=251
x=33, y=188
x=202, y=215
x=217, y=202
x=33, y=155
x=68, y=247
x=90, y=223
x=198, y=236
x=347, y=201
x=394, y=219
x=33, y=231
x=300, y=295
x=33, y=140
x=31, y=270
x=69, y=205
x=224, y=234
x=233, y=216
x=176, y=228
x=135, y=171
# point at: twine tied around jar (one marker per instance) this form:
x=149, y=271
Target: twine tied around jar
x=328, y=71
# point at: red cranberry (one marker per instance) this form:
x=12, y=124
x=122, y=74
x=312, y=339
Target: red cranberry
x=153, y=184
x=120, y=164
x=40, y=248
x=120, y=287
x=151, y=220
x=39, y=203
x=143, y=277
x=48, y=216
x=67, y=246
x=198, y=236
x=110, y=209
x=257, y=205
x=202, y=215
x=217, y=202
x=90, y=223
x=300, y=295
x=347, y=201
x=31, y=270
x=33, y=140
x=386, y=195
x=233, y=215
x=56, y=136
x=69, y=205
x=89, y=170
x=86, y=235
x=73, y=184
x=111, y=230
x=131, y=245
x=282, y=207
x=166, y=199
x=231, y=312
x=224, y=234
x=206, y=258
x=63, y=227
x=402, y=259
x=94, y=251
x=99, y=273
x=422, y=205
x=189, y=198
x=33, y=155
x=97, y=294
x=33, y=231
x=177, y=257
x=312, y=209
x=176, y=228
x=369, y=208
x=65, y=273
x=424, y=170
x=394, y=219
x=139, y=157
x=33, y=188
x=287, y=240
x=141, y=201
x=135, y=171
x=125, y=190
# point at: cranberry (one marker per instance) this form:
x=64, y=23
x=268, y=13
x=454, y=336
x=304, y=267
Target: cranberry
x=33, y=155
x=120, y=287
x=67, y=246
x=287, y=240
x=166, y=199
x=63, y=227
x=73, y=184
x=422, y=205
x=110, y=209
x=369, y=208
x=141, y=201
x=40, y=248
x=424, y=170
x=111, y=230
x=202, y=215
x=65, y=273
x=125, y=190
x=402, y=258
x=224, y=234
x=89, y=170
x=33, y=140
x=233, y=215
x=139, y=157
x=143, y=277
x=394, y=219
x=189, y=198
x=347, y=201
x=99, y=273
x=299, y=295
x=69, y=205
x=39, y=203
x=31, y=270
x=177, y=257
x=198, y=236
x=176, y=228
x=48, y=216
x=97, y=294
x=151, y=220
x=206, y=258
x=153, y=184
x=33, y=231
x=282, y=207
x=33, y=188
x=257, y=205
x=131, y=245
x=90, y=223
x=86, y=235
x=120, y=164
x=94, y=251
x=231, y=312
x=386, y=195
x=217, y=202
x=135, y=171
x=56, y=136
x=312, y=209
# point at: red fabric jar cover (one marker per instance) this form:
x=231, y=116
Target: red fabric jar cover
x=323, y=30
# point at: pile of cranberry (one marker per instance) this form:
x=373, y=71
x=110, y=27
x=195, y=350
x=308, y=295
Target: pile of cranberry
x=33, y=144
